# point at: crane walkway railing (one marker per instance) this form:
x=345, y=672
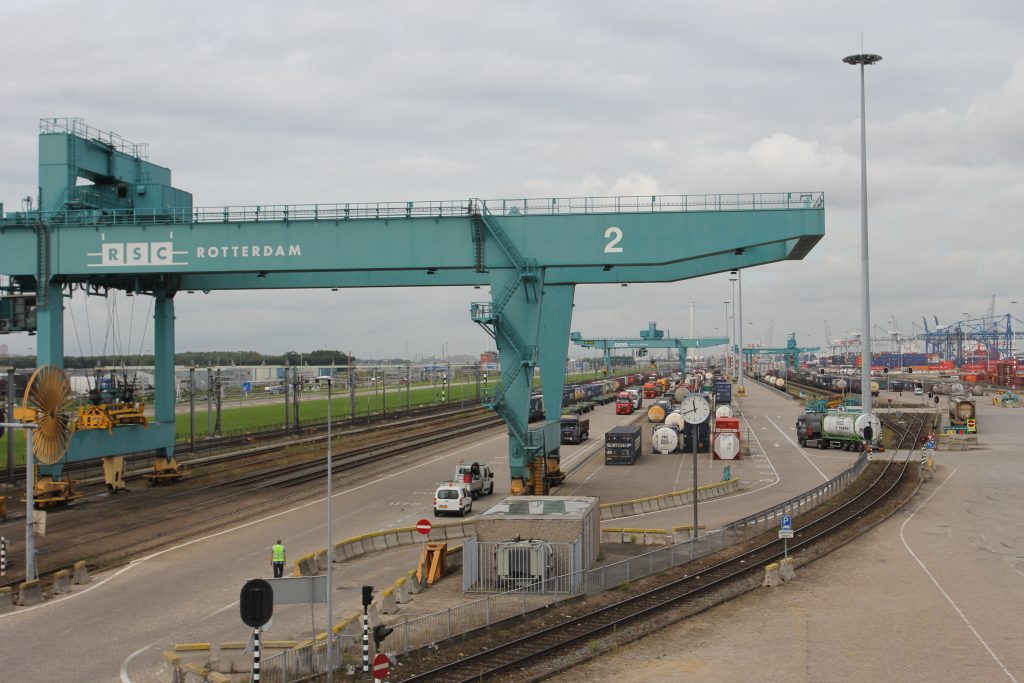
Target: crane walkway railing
x=751, y=201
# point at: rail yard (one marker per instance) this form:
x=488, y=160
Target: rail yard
x=583, y=514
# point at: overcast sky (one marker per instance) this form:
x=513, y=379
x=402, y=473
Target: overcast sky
x=302, y=102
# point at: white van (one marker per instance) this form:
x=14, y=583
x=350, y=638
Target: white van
x=452, y=497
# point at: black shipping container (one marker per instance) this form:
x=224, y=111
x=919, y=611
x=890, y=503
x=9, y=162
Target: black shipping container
x=723, y=392
x=703, y=436
x=622, y=445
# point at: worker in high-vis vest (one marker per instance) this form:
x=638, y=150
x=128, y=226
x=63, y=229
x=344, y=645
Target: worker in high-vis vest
x=277, y=559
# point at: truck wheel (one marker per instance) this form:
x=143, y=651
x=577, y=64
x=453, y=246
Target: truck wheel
x=491, y=489
x=436, y=513
x=586, y=436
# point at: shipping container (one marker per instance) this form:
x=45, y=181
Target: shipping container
x=622, y=445
x=723, y=392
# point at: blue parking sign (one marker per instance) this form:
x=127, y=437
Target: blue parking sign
x=787, y=523
x=247, y=387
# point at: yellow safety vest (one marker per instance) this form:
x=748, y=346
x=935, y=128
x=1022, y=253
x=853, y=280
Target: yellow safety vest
x=277, y=553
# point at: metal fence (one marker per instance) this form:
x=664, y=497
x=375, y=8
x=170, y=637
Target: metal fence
x=418, y=632
x=533, y=566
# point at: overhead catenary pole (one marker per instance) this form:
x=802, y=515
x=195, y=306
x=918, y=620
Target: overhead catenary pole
x=30, y=542
x=351, y=387
x=10, y=438
x=865, y=330
x=209, y=402
x=192, y=408
x=330, y=539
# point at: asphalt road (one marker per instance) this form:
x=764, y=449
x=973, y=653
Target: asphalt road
x=115, y=629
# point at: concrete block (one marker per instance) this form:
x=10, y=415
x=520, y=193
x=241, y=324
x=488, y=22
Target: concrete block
x=195, y=673
x=414, y=585
x=407, y=537
x=355, y=549
x=61, y=582
x=379, y=542
x=30, y=593
x=391, y=539
x=218, y=677
x=171, y=666
x=388, y=602
x=786, y=569
x=453, y=560
x=80, y=573
x=6, y=599
x=402, y=593
x=232, y=658
x=771, y=576
x=367, y=543
x=321, y=560
x=307, y=566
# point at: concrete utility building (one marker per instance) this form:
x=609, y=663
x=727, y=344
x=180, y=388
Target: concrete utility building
x=542, y=541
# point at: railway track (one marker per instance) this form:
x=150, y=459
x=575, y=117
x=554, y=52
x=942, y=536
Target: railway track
x=691, y=593
x=166, y=514
x=137, y=464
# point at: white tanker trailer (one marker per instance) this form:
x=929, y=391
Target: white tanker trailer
x=664, y=440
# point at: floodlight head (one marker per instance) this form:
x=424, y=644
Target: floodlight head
x=862, y=59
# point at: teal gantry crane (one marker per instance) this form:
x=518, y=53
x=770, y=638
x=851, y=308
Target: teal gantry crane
x=131, y=230
x=791, y=351
x=651, y=338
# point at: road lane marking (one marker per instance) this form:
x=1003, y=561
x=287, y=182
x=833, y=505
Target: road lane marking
x=134, y=563
x=941, y=589
x=796, y=446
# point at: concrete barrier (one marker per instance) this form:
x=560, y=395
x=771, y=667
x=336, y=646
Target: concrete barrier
x=628, y=508
x=6, y=599
x=388, y=601
x=195, y=673
x=684, y=533
x=30, y=593
x=771, y=576
x=232, y=658
x=61, y=582
x=80, y=573
x=636, y=536
x=217, y=677
x=170, y=667
x=402, y=536
x=307, y=566
x=321, y=560
x=194, y=660
x=786, y=569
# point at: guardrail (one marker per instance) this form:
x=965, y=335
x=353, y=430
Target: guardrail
x=678, y=203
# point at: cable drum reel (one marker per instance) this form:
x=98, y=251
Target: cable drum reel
x=48, y=405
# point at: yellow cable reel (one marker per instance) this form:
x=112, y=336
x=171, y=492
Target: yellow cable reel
x=47, y=403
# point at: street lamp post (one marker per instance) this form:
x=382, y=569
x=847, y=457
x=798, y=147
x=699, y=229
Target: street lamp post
x=739, y=342
x=736, y=362
x=865, y=337
x=728, y=346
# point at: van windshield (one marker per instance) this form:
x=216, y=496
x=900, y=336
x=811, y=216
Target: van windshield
x=448, y=493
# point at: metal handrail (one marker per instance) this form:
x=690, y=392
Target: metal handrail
x=751, y=201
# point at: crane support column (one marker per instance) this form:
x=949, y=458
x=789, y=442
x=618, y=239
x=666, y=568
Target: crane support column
x=163, y=359
x=50, y=322
x=553, y=343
